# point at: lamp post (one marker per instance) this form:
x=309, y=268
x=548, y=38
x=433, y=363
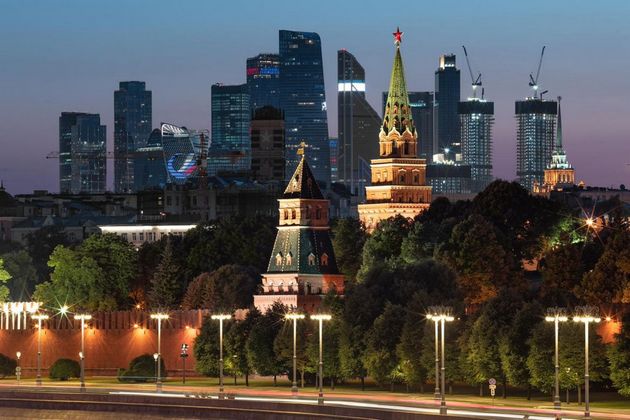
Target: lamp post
x=294, y=316
x=39, y=317
x=184, y=354
x=436, y=321
x=586, y=315
x=155, y=358
x=82, y=318
x=159, y=317
x=18, y=370
x=556, y=315
x=221, y=318
x=321, y=318
x=443, y=314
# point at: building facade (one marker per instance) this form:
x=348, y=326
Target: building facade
x=398, y=176
x=422, y=111
x=476, y=118
x=133, y=111
x=303, y=101
x=358, y=122
x=263, y=81
x=535, y=136
x=446, y=138
x=267, y=134
x=67, y=120
x=88, y=155
x=179, y=154
x=149, y=167
x=302, y=267
x=230, y=149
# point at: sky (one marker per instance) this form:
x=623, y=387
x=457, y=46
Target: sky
x=70, y=55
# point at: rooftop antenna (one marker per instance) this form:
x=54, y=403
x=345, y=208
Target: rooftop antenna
x=533, y=82
x=475, y=81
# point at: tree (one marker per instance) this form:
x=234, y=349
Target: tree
x=283, y=346
x=228, y=288
x=236, y=344
x=260, y=349
x=349, y=236
x=4, y=277
x=164, y=286
x=383, y=246
x=411, y=339
x=23, y=274
x=40, y=246
x=619, y=358
x=540, y=360
x=206, y=347
x=64, y=369
x=562, y=271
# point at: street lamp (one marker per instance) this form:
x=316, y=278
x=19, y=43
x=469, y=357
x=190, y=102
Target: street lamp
x=155, y=358
x=18, y=369
x=586, y=315
x=82, y=318
x=443, y=314
x=436, y=321
x=221, y=318
x=294, y=316
x=184, y=354
x=159, y=317
x=39, y=317
x=321, y=318
x=556, y=315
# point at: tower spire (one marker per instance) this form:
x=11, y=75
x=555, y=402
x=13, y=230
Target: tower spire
x=559, y=128
x=397, y=110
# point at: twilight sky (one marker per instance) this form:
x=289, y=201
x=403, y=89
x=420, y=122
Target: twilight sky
x=70, y=55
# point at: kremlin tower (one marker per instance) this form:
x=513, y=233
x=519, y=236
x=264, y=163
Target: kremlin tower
x=398, y=175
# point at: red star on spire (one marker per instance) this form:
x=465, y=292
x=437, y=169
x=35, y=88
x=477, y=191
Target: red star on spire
x=397, y=36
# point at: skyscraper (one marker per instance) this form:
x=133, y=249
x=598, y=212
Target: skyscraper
x=263, y=81
x=476, y=118
x=267, y=131
x=179, y=154
x=132, y=127
x=358, y=122
x=303, y=101
x=87, y=157
x=230, y=129
x=422, y=111
x=149, y=168
x=536, y=123
x=446, y=121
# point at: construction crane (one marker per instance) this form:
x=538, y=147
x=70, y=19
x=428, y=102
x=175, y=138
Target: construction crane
x=533, y=82
x=475, y=81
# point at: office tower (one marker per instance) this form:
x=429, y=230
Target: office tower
x=303, y=101
x=536, y=123
x=476, y=117
x=67, y=120
x=263, y=81
x=398, y=176
x=333, y=143
x=422, y=111
x=446, y=121
x=179, y=155
x=87, y=152
x=230, y=129
x=358, y=123
x=267, y=134
x=449, y=179
x=132, y=127
x=149, y=168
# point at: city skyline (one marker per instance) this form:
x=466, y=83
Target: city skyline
x=44, y=77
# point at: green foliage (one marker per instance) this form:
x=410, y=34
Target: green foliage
x=562, y=272
x=143, y=369
x=349, y=236
x=540, y=360
x=236, y=343
x=165, y=289
x=380, y=358
x=283, y=345
x=619, y=358
x=40, y=246
x=4, y=277
x=20, y=267
x=206, y=347
x=7, y=366
x=414, y=372
x=383, y=246
x=260, y=343
x=228, y=288
x=64, y=369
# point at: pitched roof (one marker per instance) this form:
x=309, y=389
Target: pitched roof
x=397, y=108
x=305, y=251
x=303, y=183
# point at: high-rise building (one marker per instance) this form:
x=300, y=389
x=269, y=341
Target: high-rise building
x=87, y=158
x=133, y=112
x=358, y=122
x=398, y=177
x=263, y=81
x=303, y=101
x=230, y=129
x=149, y=167
x=536, y=123
x=334, y=159
x=179, y=154
x=267, y=133
x=422, y=111
x=446, y=121
x=476, y=119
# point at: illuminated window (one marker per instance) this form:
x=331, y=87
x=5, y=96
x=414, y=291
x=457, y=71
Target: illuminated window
x=324, y=259
x=311, y=259
x=278, y=258
x=289, y=259
x=293, y=214
x=286, y=214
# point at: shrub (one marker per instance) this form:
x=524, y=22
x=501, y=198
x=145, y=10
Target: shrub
x=142, y=369
x=7, y=366
x=64, y=369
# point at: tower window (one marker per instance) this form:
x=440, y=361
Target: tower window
x=311, y=259
x=279, y=258
x=293, y=214
x=289, y=259
x=324, y=259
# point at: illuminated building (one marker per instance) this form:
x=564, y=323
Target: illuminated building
x=422, y=112
x=149, y=168
x=179, y=154
x=230, y=150
x=358, y=122
x=536, y=123
x=302, y=267
x=449, y=179
x=476, y=118
x=67, y=120
x=303, y=101
x=398, y=175
x=132, y=127
x=263, y=81
x=267, y=134
x=446, y=120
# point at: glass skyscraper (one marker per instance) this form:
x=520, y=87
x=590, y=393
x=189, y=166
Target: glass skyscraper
x=303, y=101
x=421, y=104
x=132, y=127
x=263, y=81
x=88, y=161
x=476, y=119
x=230, y=129
x=67, y=120
x=445, y=117
x=535, y=137
x=179, y=154
x=149, y=167
x=359, y=125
